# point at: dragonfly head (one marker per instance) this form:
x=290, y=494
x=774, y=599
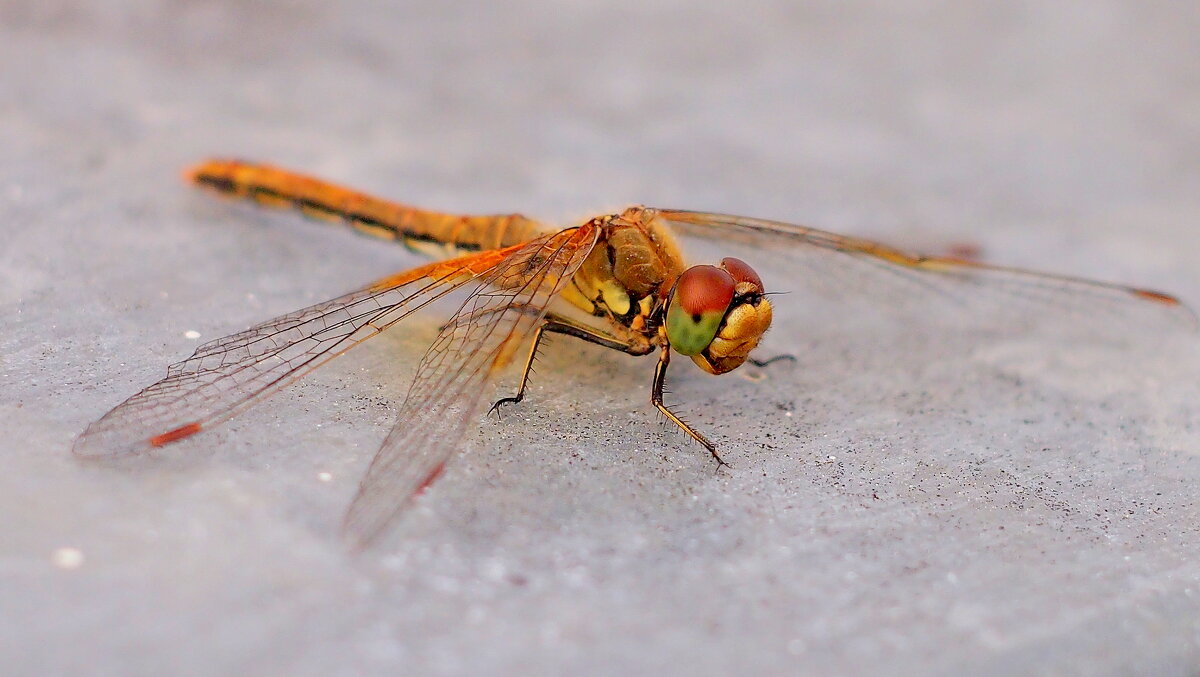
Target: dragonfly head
x=717, y=315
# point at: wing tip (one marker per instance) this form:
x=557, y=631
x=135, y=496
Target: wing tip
x=1157, y=296
x=1184, y=311
x=99, y=444
x=92, y=447
x=358, y=532
x=362, y=527
x=85, y=447
x=92, y=443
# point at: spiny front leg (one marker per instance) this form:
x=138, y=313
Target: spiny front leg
x=656, y=397
x=633, y=345
x=537, y=340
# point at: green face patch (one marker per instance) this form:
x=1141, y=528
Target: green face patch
x=698, y=303
x=691, y=334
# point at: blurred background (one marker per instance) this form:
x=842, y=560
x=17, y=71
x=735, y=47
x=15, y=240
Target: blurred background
x=1014, y=508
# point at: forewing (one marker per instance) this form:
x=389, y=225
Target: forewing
x=894, y=280
x=227, y=375
x=500, y=314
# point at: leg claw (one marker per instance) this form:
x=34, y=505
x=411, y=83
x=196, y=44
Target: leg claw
x=720, y=461
x=495, y=408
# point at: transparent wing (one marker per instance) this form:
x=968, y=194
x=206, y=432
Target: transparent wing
x=894, y=280
x=503, y=310
x=227, y=375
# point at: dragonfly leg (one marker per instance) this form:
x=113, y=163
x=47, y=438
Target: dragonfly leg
x=537, y=340
x=771, y=360
x=656, y=397
x=558, y=325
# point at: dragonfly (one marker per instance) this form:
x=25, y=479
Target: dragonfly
x=617, y=280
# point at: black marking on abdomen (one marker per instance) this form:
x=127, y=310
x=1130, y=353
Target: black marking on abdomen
x=314, y=209
x=222, y=184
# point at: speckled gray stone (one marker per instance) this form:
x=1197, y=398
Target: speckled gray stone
x=918, y=494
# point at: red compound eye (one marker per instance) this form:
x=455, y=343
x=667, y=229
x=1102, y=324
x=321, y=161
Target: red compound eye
x=741, y=271
x=704, y=289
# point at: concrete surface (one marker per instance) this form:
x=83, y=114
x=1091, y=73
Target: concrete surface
x=922, y=493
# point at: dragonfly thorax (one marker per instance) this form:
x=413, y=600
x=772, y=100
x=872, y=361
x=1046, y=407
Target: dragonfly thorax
x=629, y=273
x=717, y=316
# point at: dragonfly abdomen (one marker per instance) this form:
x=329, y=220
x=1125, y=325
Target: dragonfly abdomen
x=430, y=233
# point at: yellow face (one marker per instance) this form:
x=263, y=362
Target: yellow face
x=718, y=315
x=744, y=326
